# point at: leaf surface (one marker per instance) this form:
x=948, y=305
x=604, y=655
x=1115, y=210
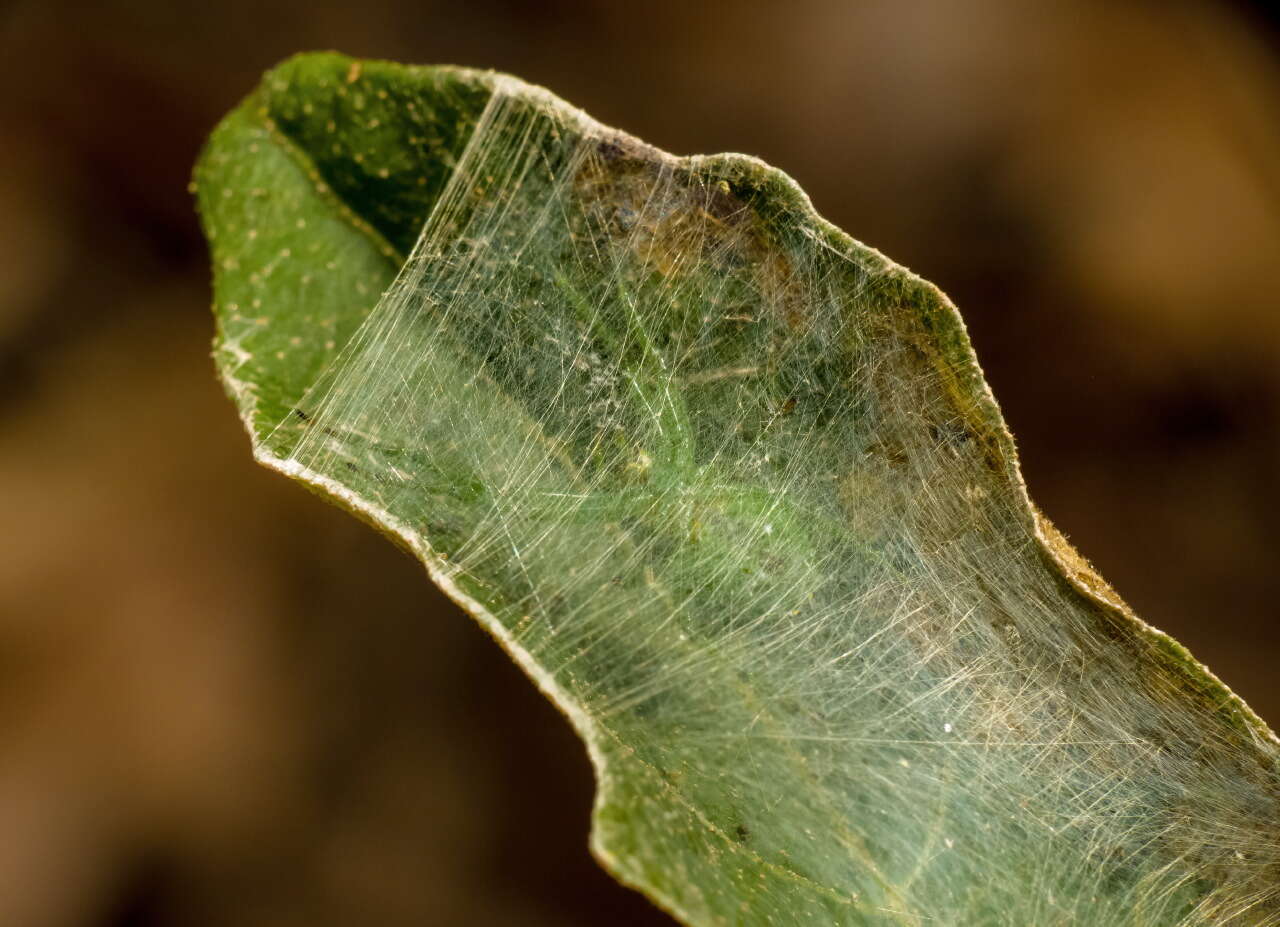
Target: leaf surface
x=730, y=487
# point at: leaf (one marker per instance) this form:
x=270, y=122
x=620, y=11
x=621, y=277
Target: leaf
x=731, y=489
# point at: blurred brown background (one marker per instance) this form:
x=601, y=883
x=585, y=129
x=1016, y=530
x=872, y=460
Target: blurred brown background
x=223, y=702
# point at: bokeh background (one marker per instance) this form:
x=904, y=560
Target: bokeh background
x=225, y=703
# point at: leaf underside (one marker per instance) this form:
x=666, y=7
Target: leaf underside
x=730, y=487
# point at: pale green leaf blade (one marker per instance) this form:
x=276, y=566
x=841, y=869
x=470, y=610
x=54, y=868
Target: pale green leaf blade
x=731, y=489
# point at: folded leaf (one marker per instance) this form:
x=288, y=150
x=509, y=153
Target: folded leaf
x=731, y=489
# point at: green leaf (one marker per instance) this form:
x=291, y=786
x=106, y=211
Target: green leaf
x=731, y=489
